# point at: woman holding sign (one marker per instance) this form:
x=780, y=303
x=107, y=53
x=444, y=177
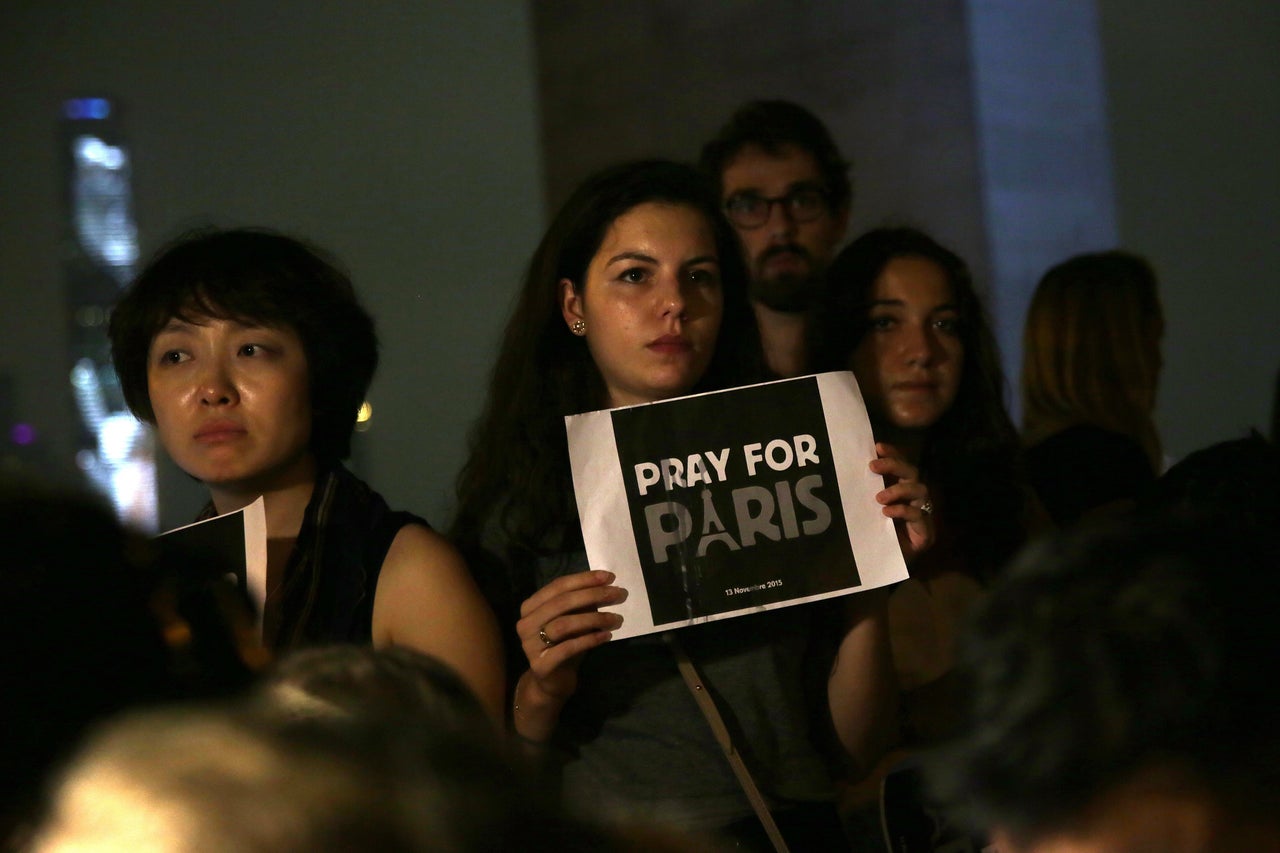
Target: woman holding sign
x=637, y=294
x=250, y=354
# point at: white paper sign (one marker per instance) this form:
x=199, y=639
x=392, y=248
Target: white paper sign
x=733, y=502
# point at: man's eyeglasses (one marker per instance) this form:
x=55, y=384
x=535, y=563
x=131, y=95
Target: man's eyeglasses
x=749, y=210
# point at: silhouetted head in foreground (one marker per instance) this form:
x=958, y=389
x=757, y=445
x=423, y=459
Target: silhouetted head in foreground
x=1119, y=690
x=78, y=641
x=236, y=779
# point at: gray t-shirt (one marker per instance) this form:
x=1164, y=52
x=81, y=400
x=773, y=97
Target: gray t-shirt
x=636, y=746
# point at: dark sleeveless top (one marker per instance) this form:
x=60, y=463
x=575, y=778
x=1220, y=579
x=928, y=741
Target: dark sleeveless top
x=332, y=574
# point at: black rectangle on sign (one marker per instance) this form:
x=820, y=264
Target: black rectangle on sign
x=733, y=500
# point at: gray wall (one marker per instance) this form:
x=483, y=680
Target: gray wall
x=401, y=135
x=957, y=114
x=1195, y=123
x=1017, y=132
x=890, y=79
x=1045, y=150
x=981, y=121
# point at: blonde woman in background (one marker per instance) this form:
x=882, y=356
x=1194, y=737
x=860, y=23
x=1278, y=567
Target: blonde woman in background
x=1091, y=361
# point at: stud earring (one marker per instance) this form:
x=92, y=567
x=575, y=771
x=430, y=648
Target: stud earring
x=579, y=327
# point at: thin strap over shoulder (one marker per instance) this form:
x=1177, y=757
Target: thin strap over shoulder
x=707, y=705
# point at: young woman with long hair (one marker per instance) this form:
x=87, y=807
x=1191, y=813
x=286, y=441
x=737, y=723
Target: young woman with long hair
x=902, y=313
x=1090, y=366
x=637, y=294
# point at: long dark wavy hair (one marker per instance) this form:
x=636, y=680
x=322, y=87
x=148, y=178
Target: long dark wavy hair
x=515, y=492
x=970, y=455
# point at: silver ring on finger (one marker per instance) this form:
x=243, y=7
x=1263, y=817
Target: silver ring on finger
x=542, y=635
x=927, y=507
